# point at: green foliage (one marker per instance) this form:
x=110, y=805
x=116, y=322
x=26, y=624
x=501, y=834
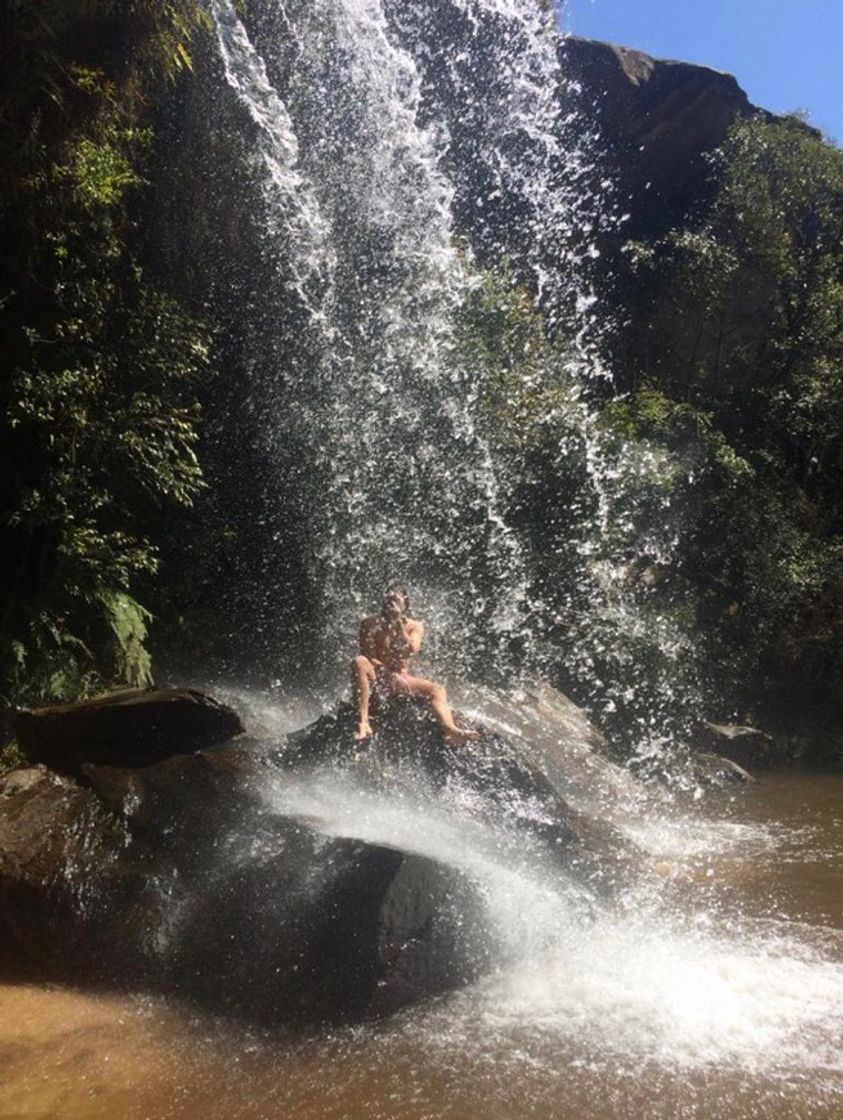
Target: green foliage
x=127, y=622
x=99, y=366
x=98, y=174
x=123, y=49
x=735, y=348
x=526, y=382
x=11, y=757
x=649, y=413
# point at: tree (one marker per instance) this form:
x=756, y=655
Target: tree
x=739, y=317
x=98, y=365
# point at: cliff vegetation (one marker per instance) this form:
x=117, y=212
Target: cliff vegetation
x=99, y=362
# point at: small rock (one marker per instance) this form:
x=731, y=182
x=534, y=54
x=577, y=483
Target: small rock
x=745, y=746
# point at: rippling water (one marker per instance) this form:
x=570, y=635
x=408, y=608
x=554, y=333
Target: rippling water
x=718, y=991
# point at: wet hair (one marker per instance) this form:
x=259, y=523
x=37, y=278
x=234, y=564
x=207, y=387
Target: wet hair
x=402, y=591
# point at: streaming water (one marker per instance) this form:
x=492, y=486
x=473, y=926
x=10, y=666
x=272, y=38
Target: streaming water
x=408, y=151
x=401, y=149
x=397, y=478
x=717, y=992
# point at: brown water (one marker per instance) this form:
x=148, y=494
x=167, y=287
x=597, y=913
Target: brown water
x=720, y=997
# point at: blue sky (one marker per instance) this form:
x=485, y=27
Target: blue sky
x=787, y=54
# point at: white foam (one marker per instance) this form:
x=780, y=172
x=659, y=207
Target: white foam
x=628, y=983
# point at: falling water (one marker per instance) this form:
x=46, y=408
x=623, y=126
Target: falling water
x=407, y=150
x=375, y=181
x=403, y=150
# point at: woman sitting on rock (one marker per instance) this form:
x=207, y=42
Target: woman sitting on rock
x=387, y=642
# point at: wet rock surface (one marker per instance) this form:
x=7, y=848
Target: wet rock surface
x=573, y=754
x=182, y=877
x=59, y=863
x=691, y=771
x=494, y=778
x=176, y=878
x=130, y=727
x=326, y=930
x=746, y=746
x=658, y=119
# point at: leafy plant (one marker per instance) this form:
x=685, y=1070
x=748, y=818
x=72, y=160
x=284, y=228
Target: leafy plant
x=735, y=346
x=99, y=365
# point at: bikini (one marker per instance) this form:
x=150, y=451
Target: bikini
x=384, y=677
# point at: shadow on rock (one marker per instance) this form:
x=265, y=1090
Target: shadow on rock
x=180, y=877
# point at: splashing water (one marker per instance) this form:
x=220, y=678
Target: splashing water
x=630, y=982
x=383, y=133
x=408, y=149
x=675, y=973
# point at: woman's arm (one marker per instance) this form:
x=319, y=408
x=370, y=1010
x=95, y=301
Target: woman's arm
x=368, y=646
x=414, y=633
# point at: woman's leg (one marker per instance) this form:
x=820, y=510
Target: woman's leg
x=438, y=698
x=362, y=679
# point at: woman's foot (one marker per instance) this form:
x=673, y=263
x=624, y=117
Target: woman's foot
x=364, y=731
x=457, y=738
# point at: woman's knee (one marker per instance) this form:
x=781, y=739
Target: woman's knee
x=438, y=693
x=361, y=664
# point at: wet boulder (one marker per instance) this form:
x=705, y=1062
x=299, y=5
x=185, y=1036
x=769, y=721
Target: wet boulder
x=273, y=919
x=690, y=772
x=60, y=873
x=178, y=878
x=129, y=727
x=318, y=929
x=497, y=778
x=575, y=756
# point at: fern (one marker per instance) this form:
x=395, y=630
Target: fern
x=127, y=621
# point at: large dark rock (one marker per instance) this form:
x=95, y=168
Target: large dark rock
x=130, y=727
x=61, y=864
x=176, y=877
x=191, y=876
x=318, y=929
x=658, y=122
x=496, y=778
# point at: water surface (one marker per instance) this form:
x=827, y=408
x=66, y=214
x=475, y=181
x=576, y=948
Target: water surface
x=714, y=989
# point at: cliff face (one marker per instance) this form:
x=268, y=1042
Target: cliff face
x=657, y=121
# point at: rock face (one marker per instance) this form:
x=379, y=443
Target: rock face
x=499, y=778
x=326, y=931
x=574, y=755
x=657, y=121
x=172, y=877
x=131, y=727
x=184, y=877
x=688, y=771
x=59, y=850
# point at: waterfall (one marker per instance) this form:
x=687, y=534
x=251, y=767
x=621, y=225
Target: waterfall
x=400, y=164
x=406, y=150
